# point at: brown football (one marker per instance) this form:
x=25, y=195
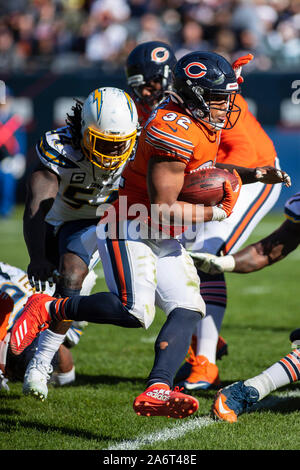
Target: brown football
x=206, y=186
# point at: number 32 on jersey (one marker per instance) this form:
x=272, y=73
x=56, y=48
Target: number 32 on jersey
x=182, y=121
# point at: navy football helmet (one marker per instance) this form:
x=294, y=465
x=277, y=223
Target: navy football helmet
x=150, y=61
x=201, y=78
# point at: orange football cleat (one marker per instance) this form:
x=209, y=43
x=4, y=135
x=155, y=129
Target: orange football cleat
x=31, y=322
x=204, y=374
x=221, y=411
x=160, y=400
x=190, y=360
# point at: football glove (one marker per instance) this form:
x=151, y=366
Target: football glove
x=231, y=195
x=212, y=264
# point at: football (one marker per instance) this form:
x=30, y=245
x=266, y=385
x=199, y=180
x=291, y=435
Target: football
x=206, y=186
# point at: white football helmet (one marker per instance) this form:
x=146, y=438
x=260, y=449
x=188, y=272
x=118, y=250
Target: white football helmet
x=109, y=123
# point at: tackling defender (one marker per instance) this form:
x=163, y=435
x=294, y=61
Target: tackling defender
x=79, y=170
x=176, y=139
x=237, y=398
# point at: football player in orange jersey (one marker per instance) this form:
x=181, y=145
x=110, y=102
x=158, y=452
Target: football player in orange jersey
x=180, y=136
x=148, y=71
x=149, y=75
x=247, y=144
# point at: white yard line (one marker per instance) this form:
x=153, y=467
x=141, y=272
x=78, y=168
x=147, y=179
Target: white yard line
x=176, y=432
x=183, y=427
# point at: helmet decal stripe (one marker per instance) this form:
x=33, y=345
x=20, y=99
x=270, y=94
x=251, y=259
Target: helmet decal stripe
x=98, y=99
x=160, y=58
x=129, y=102
x=198, y=65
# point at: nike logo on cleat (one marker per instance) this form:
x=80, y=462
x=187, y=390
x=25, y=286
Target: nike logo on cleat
x=221, y=407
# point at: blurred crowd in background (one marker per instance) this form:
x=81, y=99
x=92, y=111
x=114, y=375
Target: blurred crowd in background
x=62, y=35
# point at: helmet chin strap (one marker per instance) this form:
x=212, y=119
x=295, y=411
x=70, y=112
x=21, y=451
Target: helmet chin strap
x=174, y=95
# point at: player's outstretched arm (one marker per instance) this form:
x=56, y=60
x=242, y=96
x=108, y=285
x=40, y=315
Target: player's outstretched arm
x=262, y=174
x=42, y=189
x=254, y=257
x=268, y=251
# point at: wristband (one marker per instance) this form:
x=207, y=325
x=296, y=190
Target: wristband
x=218, y=214
x=227, y=263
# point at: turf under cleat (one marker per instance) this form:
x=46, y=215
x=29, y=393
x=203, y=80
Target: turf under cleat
x=233, y=400
x=160, y=400
x=31, y=322
x=203, y=376
x=35, y=379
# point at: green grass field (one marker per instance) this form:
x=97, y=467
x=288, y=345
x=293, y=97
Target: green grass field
x=112, y=364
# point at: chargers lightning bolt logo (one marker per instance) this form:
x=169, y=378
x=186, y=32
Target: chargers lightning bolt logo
x=98, y=98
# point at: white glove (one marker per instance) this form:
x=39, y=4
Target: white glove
x=218, y=214
x=212, y=264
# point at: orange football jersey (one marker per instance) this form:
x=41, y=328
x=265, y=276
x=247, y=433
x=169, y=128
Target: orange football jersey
x=246, y=144
x=169, y=132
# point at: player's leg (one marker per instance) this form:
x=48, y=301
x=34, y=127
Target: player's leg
x=62, y=364
x=200, y=365
x=74, y=259
x=63, y=368
x=130, y=302
x=237, y=398
x=254, y=202
x=178, y=295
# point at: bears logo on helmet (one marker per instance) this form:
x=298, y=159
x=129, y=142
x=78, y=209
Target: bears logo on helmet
x=202, y=80
x=147, y=62
x=196, y=65
x=160, y=54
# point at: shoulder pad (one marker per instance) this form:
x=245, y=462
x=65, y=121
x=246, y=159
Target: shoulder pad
x=292, y=208
x=48, y=149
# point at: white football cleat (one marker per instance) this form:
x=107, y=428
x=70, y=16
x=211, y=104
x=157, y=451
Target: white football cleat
x=35, y=379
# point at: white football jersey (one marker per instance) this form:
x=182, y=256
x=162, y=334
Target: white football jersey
x=15, y=282
x=292, y=208
x=82, y=185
